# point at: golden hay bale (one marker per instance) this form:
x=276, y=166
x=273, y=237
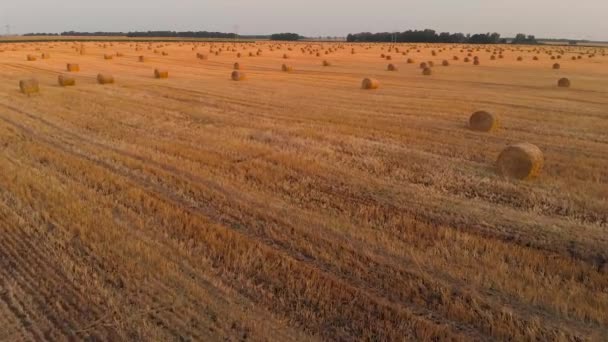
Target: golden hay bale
x=466, y=60
x=71, y=67
x=476, y=62
x=389, y=57
x=563, y=83
x=161, y=73
x=326, y=63
x=392, y=67
x=108, y=56
x=201, y=56
x=66, y=81
x=520, y=58
x=237, y=66
x=165, y=53
x=30, y=86
x=286, y=68
x=119, y=54
x=370, y=83
x=556, y=66
x=141, y=58
x=31, y=58
x=427, y=71
x=483, y=121
x=431, y=64
x=423, y=65
x=45, y=56
x=285, y=56
x=493, y=57
x=410, y=61
x=455, y=58
x=536, y=58
x=445, y=62
x=105, y=79
x=238, y=76
x=520, y=161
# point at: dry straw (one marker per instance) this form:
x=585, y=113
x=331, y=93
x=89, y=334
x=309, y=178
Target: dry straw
x=71, y=67
x=161, y=73
x=483, y=121
x=66, y=81
x=30, y=86
x=238, y=76
x=105, y=79
x=520, y=161
x=370, y=83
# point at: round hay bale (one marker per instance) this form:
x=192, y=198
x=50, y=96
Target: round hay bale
x=389, y=57
x=161, y=73
x=431, y=64
x=237, y=66
x=105, y=79
x=66, y=81
x=71, y=67
x=455, y=58
x=370, y=83
x=45, y=55
x=427, y=72
x=31, y=58
x=141, y=59
x=423, y=65
x=410, y=61
x=238, y=76
x=326, y=63
x=563, y=83
x=445, y=62
x=392, y=67
x=201, y=56
x=466, y=60
x=520, y=161
x=476, y=62
x=285, y=56
x=519, y=59
x=286, y=68
x=483, y=121
x=556, y=66
x=30, y=86
x=493, y=57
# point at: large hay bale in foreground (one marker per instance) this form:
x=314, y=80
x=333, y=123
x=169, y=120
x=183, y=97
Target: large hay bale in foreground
x=30, y=86
x=520, y=161
x=66, y=81
x=161, y=73
x=238, y=76
x=563, y=83
x=105, y=79
x=71, y=67
x=370, y=83
x=483, y=121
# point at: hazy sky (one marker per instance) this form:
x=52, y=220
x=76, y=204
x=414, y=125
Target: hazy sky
x=585, y=19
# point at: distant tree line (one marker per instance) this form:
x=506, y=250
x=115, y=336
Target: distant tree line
x=431, y=36
x=285, y=36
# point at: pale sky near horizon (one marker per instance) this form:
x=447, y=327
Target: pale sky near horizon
x=583, y=19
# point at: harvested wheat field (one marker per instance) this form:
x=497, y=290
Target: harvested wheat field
x=300, y=205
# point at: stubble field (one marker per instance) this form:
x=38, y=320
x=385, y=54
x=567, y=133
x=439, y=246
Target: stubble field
x=296, y=205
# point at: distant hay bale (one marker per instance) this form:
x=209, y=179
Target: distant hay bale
x=520, y=161
x=370, y=83
x=66, y=81
x=285, y=56
x=483, y=121
x=286, y=68
x=119, y=54
x=161, y=73
x=493, y=57
x=326, y=63
x=31, y=58
x=107, y=56
x=427, y=72
x=423, y=65
x=410, y=61
x=445, y=62
x=455, y=58
x=141, y=59
x=520, y=58
x=563, y=83
x=71, y=67
x=45, y=56
x=476, y=62
x=556, y=66
x=536, y=58
x=165, y=53
x=237, y=66
x=105, y=79
x=466, y=60
x=389, y=57
x=392, y=67
x=238, y=76
x=30, y=86
x=201, y=56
